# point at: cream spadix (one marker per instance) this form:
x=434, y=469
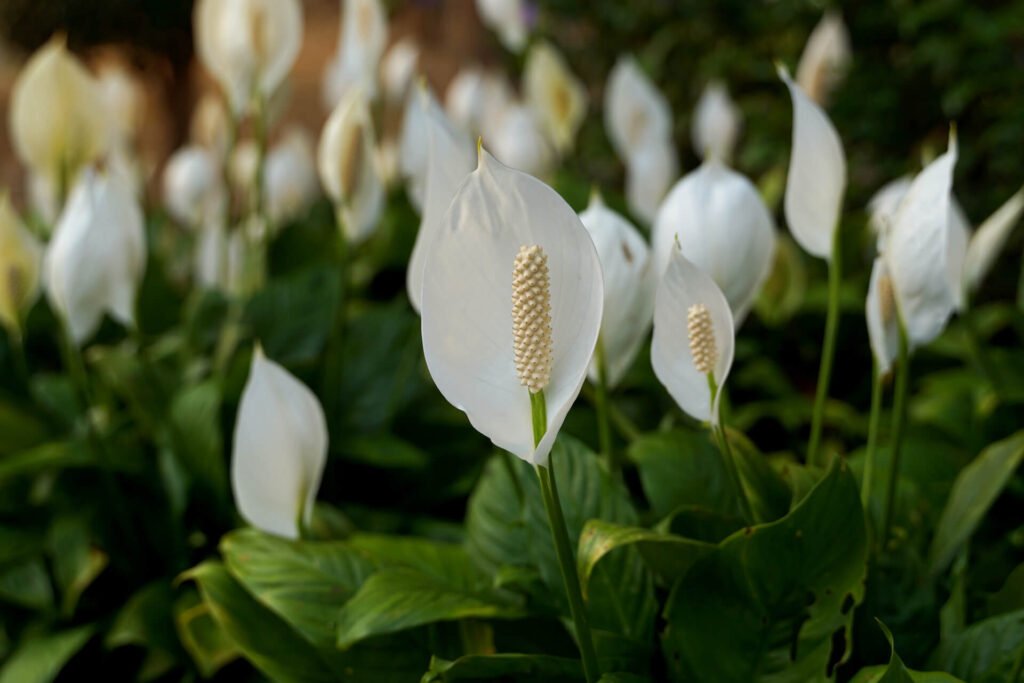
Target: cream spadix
x=468, y=320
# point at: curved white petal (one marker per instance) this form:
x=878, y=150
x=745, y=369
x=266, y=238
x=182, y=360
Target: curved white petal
x=280, y=449
x=193, y=186
x=716, y=123
x=628, y=287
x=555, y=94
x=989, y=238
x=958, y=234
x=636, y=113
x=412, y=153
x=290, y=183
x=398, y=68
x=650, y=172
x=883, y=204
x=517, y=141
x=464, y=99
x=449, y=160
x=467, y=294
x=825, y=58
x=363, y=35
x=21, y=255
x=508, y=18
x=817, y=175
x=685, y=285
x=916, y=251
x=722, y=226
x=880, y=311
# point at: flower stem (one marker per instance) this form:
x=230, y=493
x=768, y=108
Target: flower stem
x=604, y=429
x=877, y=389
x=718, y=430
x=896, y=442
x=828, y=351
x=563, y=546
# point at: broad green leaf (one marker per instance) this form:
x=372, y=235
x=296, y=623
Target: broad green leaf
x=18, y=544
x=49, y=456
x=986, y=652
x=897, y=672
x=147, y=621
x=447, y=562
x=194, y=424
x=27, y=584
x=974, y=491
x=504, y=667
x=766, y=604
x=40, y=658
x=769, y=496
x=202, y=635
x=667, y=555
x=76, y=560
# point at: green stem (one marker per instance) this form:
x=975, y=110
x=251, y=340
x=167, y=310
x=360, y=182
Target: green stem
x=828, y=351
x=563, y=546
x=877, y=389
x=622, y=424
x=718, y=429
x=604, y=430
x=899, y=424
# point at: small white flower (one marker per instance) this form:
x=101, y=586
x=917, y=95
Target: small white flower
x=636, y=113
x=825, y=58
x=398, y=68
x=364, y=33
x=716, y=123
x=650, y=171
x=280, y=449
x=880, y=311
x=290, y=183
x=412, y=153
x=517, y=141
x=508, y=18
x=193, y=186
x=556, y=96
x=989, y=238
x=21, y=255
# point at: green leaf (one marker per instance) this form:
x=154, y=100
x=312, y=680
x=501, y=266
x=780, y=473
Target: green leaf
x=766, y=603
x=21, y=429
x=147, y=621
x=27, y=584
x=202, y=636
x=505, y=667
x=396, y=599
x=39, y=659
x=54, y=455
x=974, y=491
x=897, y=672
x=76, y=561
x=194, y=422
x=985, y=652
x=667, y=555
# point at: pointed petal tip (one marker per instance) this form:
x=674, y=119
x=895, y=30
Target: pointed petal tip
x=783, y=72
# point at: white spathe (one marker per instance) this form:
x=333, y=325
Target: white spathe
x=636, y=113
x=467, y=304
x=880, y=312
x=650, y=171
x=825, y=58
x=290, y=183
x=398, y=68
x=280, y=449
x=193, y=186
x=412, y=153
x=249, y=46
x=723, y=226
x=628, y=287
x=685, y=285
x=555, y=95
x=988, y=240
x=517, y=141
x=21, y=255
x=346, y=160
x=96, y=259
x=363, y=36
x=450, y=159
x=716, y=123
x=816, y=180
x=508, y=18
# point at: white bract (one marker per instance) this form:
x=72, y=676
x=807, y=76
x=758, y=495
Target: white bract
x=880, y=311
x=508, y=18
x=722, y=225
x=21, y=255
x=628, y=287
x=193, y=186
x=636, y=113
x=988, y=240
x=556, y=96
x=916, y=251
x=650, y=172
x=467, y=291
x=817, y=175
x=249, y=46
x=825, y=58
x=398, y=68
x=518, y=141
x=716, y=123
x=412, y=153
x=280, y=449
x=57, y=118
x=450, y=159
x=290, y=184
x=97, y=256
x=348, y=172
x=693, y=337
x=364, y=33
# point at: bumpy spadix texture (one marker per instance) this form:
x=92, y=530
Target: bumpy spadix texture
x=467, y=311
x=702, y=338
x=531, y=317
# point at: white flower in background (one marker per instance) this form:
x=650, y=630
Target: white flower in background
x=916, y=251
x=347, y=164
x=475, y=99
x=398, y=69
x=720, y=223
x=364, y=33
x=716, y=123
x=825, y=58
x=290, y=183
x=42, y=198
x=880, y=311
x=57, y=118
x=193, y=187
x=123, y=97
x=483, y=353
x=280, y=449
x=816, y=179
x=988, y=240
x=213, y=258
x=450, y=159
x=97, y=256
x=248, y=46
x=883, y=204
x=628, y=287
x=517, y=141
x=555, y=94
x=650, y=172
x=242, y=168
x=693, y=337
x=21, y=255
x=636, y=113
x=509, y=19
x=412, y=153
x=210, y=124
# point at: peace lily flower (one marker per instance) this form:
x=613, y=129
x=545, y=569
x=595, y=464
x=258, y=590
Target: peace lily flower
x=650, y=172
x=364, y=33
x=628, y=287
x=97, y=256
x=716, y=123
x=817, y=175
x=123, y=97
x=398, y=68
x=509, y=18
x=517, y=140
x=449, y=161
x=58, y=124
x=280, y=449
x=412, y=153
x=693, y=337
x=636, y=113
x=988, y=240
x=716, y=218
x=248, y=46
x=21, y=255
x=880, y=311
x=508, y=237
x=290, y=183
x=347, y=168
x=193, y=187
x=475, y=99
x=825, y=58
x=555, y=95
